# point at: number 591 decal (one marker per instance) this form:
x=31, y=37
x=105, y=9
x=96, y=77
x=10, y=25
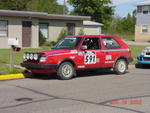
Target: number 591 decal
x=90, y=57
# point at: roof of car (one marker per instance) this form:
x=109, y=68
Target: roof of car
x=102, y=35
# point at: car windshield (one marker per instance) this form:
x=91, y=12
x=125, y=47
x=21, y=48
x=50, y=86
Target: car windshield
x=68, y=43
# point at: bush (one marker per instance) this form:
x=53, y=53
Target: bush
x=81, y=32
x=62, y=34
x=50, y=43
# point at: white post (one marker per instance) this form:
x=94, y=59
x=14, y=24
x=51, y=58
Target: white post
x=12, y=42
x=11, y=59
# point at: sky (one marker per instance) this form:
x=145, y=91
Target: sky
x=123, y=7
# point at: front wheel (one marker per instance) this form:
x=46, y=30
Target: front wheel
x=121, y=67
x=66, y=71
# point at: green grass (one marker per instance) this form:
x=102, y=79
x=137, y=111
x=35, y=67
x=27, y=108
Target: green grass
x=5, y=69
x=18, y=57
x=135, y=50
x=124, y=36
x=4, y=58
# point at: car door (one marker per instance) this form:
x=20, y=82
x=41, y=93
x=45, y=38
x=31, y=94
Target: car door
x=90, y=55
x=112, y=50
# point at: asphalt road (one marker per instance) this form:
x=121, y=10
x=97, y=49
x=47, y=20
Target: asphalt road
x=91, y=92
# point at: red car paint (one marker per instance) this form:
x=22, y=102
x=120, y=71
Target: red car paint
x=104, y=57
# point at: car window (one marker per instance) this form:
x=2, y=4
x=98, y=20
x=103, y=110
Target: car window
x=110, y=43
x=68, y=43
x=91, y=43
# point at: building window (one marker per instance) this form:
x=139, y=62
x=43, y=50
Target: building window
x=71, y=28
x=145, y=12
x=43, y=29
x=3, y=28
x=139, y=9
x=144, y=28
x=145, y=9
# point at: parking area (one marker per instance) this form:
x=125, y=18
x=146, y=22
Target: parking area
x=90, y=92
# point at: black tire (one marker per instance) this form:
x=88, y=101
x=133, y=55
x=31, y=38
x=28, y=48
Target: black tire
x=138, y=65
x=121, y=67
x=66, y=71
x=36, y=74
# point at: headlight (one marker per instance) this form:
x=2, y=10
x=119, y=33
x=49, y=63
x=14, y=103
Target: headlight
x=28, y=56
x=31, y=56
x=43, y=59
x=143, y=52
x=35, y=56
x=147, y=48
x=24, y=56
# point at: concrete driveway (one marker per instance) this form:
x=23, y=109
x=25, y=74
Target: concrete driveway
x=91, y=92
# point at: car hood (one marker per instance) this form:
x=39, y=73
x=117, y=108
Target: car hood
x=57, y=51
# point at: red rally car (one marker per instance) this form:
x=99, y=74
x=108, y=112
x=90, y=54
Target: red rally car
x=73, y=53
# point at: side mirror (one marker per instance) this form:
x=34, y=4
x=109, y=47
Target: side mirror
x=84, y=47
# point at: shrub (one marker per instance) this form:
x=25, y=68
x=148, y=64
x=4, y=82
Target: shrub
x=62, y=34
x=50, y=43
x=81, y=32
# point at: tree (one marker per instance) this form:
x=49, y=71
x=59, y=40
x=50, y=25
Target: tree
x=99, y=10
x=49, y=6
x=14, y=4
x=123, y=25
x=127, y=24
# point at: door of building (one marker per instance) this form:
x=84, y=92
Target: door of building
x=26, y=33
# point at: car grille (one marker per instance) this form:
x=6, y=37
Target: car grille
x=146, y=58
x=32, y=61
x=148, y=53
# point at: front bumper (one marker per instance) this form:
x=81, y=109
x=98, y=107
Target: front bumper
x=39, y=66
x=143, y=60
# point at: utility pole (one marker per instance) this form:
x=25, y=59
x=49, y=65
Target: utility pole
x=64, y=7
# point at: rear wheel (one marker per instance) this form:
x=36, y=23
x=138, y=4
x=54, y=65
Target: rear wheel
x=121, y=67
x=66, y=71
